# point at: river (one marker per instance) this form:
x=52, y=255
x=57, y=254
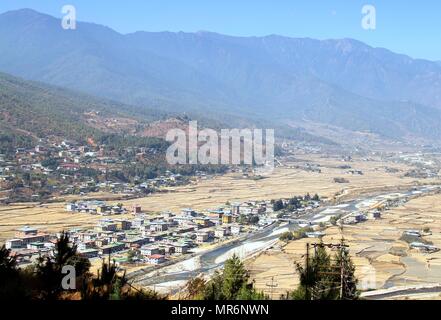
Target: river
x=172, y=278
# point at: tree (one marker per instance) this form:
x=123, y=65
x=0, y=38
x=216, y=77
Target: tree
x=195, y=288
x=10, y=282
x=235, y=277
x=320, y=278
x=213, y=289
x=49, y=268
x=43, y=280
x=51, y=163
x=316, y=279
x=295, y=203
x=326, y=281
x=286, y=236
x=8, y=264
x=278, y=205
x=247, y=292
x=349, y=282
x=230, y=284
x=142, y=295
x=130, y=255
x=253, y=219
x=335, y=219
x=116, y=292
x=81, y=265
x=110, y=284
x=107, y=285
x=301, y=233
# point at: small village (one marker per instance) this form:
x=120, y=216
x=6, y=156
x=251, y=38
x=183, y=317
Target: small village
x=55, y=168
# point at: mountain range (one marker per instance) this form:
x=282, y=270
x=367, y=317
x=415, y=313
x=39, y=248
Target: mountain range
x=291, y=81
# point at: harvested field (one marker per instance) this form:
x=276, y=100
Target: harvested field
x=209, y=193
x=382, y=260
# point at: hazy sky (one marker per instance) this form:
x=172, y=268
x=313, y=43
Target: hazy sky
x=405, y=26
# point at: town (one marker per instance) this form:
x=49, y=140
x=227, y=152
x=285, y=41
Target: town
x=56, y=168
x=133, y=236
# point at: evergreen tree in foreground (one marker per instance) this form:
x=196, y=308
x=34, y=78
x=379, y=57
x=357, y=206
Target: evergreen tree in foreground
x=349, y=291
x=49, y=268
x=321, y=277
x=232, y=283
x=10, y=283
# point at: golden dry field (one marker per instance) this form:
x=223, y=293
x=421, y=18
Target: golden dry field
x=46, y=217
x=380, y=257
x=205, y=194
x=283, y=182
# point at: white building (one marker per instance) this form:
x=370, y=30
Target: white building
x=14, y=244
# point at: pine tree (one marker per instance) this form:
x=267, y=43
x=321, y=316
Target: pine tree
x=319, y=279
x=230, y=284
x=8, y=264
x=343, y=260
x=11, y=286
x=194, y=288
x=235, y=277
x=49, y=267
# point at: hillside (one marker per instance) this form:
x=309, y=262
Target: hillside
x=30, y=110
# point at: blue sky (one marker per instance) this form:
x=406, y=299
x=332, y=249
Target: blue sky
x=405, y=26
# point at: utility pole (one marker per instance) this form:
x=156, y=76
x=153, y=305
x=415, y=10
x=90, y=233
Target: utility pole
x=307, y=273
x=342, y=273
x=342, y=266
x=272, y=285
x=341, y=247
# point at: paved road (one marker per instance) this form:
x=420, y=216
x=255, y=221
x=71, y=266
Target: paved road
x=207, y=262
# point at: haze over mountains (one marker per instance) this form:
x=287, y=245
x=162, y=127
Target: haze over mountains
x=342, y=83
x=36, y=110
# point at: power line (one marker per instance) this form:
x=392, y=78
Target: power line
x=343, y=282
x=272, y=285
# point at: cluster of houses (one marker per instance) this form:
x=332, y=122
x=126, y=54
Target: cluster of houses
x=355, y=172
x=419, y=243
x=423, y=173
x=29, y=243
x=6, y=169
x=154, y=238
x=96, y=207
x=136, y=188
x=70, y=153
x=359, y=217
x=65, y=160
x=424, y=247
x=387, y=202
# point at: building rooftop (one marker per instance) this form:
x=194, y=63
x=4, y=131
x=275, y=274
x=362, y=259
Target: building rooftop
x=27, y=229
x=156, y=256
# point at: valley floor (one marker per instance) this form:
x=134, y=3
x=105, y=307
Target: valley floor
x=210, y=193
x=382, y=260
